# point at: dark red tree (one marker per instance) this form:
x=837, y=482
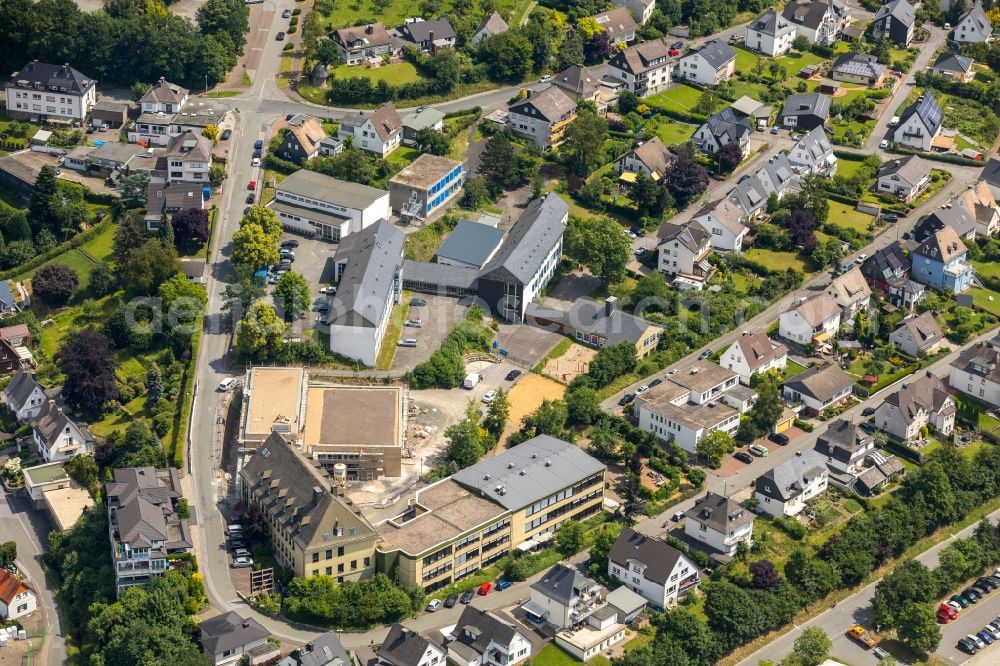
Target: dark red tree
x=55, y=283
x=687, y=179
x=88, y=361
x=190, y=227
x=763, y=575
x=729, y=157
x=802, y=227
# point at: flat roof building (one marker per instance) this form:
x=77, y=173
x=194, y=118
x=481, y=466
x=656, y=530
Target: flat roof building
x=425, y=186
x=469, y=245
x=318, y=205
x=514, y=500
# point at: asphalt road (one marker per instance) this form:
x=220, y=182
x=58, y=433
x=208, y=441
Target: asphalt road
x=29, y=529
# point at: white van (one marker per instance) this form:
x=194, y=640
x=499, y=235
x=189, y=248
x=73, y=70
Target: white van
x=471, y=380
x=407, y=342
x=226, y=384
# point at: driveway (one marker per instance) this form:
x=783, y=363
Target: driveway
x=573, y=286
x=526, y=344
x=439, y=316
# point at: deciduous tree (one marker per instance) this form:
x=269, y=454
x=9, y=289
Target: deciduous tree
x=291, y=293
x=918, y=628
x=253, y=247
x=687, y=179
x=87, y=360
x=55, y=283
x=190, y=227
x=260, y=334
x=599, y=244
x=585, y=137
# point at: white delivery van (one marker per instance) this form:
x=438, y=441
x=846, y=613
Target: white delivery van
x=471, y=380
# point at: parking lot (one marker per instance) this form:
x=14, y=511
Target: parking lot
x=438, y=317
x=314, y=262
x=970, y=620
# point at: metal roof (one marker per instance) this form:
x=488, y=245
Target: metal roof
x=376, y=254
x=305, y=183
x=471, y=243
x=529, y=241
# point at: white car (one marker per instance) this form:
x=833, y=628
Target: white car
x=954, y=605
x=226, y=384
x=861, y=258
x=639, y=251
x=884, y=144
x=545, y=79
x=414, y=323
x=328, y=290
x=642, y=389
x=489, y=397
x=242, y=562
x=255, y=162
x=434, y=606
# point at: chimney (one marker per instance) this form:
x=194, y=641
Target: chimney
x=369, y=30
x=246, y=624
x=307, y=648
x=609, y=305
x=317, y=493
x=430, y=36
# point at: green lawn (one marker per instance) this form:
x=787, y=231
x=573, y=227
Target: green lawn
x=846, y=217
x=393, y=12
x=987, y=300
x=795, y=61
x=847, y=168
x=746, y=59
x=987, y=268
x=681, y=99
x=400, y=73
x=671, y=132
x=553, y=655
x=791, y=369
x=778, y=260
x=98, y=247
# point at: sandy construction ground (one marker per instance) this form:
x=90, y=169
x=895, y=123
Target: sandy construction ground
x=527, y=395
x=570, y=365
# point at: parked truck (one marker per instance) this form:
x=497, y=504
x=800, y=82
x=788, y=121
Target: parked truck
x=471, y=380
x=859, y=634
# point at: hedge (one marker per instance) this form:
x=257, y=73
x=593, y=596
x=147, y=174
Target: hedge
x=478, y=110
x=904, y=452
x=940, y=157
x=852, y=156
x=72, y=243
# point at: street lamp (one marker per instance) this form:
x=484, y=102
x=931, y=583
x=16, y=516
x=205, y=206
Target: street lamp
x=206, y=84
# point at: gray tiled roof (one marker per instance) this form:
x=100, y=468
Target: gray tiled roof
x=483, y=628
x=559, y=583
x=165, y=91
x=306, y=183
x=716, y=53
x=720, y=513
x=658, y=556
x=926, y=108
x=900, y=10
x=551, y=104
x=20, y=388
x=980, y=360
x=470, y=242
x=376, y=254
x=953, y=62
x=51, y=421
x=230, y=631
x=145, y=513
x=842, y=440
x=422, y=117
x=911, y=168
x=420, y=31
x=441, y=275
x=957, y=218
x=727, y=123
x=790, y=477
x=885, y=263
x=494, y=23
x=324, y=650
x=530, y=240
x=821, y=382
x=592, y=317
x=771, y=23
x=943, y=245
x=529, y=472
x=923, y=328
x=43, y=76
x=691, y=235
x=403, y=647
x=809, y=14
x=812, y=104
x=928, y=393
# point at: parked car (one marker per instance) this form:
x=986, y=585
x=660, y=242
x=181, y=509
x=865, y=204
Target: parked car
x=981, y=590
x=867, y=411
x=960, y=600
x=503, y=585
x=329, y=291
x=743, y=456
x=992, y=631
x=246, y=210
x=226, y=384
x=971, y=595
x=434, y=606
x=948, y=610
x=489, y=396
x=775, y=129
x=655, y=382
x=868, y=426
x=280, y=37
x=642, y=389
x=985, y=636
x=252, y=185
x=414, y=323
x=954, y=605
x=545, y=79
x=241, y=552
x=861, y=258
x=626, y=399
x=779, y=438
x=976, y=640
x=242, y=562
x=678, y=516
x=757, y=450
x=251, y=198
x=639, y=251
x=226, y=133
x=673, y=53
x=705, y=354
x=677, y=45
x=407, y=342
x=467, y=597
x=291, y=242
x=485, y=588
x=286, y=14
x=287, y=252
x=967, y=646
x=258, y=144
x=417, y=302
x=512, y=375
x=989, y=584
x=943, y=618
x=884, y=144
x=451, y=601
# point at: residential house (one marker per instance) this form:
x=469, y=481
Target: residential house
x=955, y=66
x=924, y=402
x=599, y=325
x=807, y=110
x=720, y=523
x=691, y=403
x=724, y=221
x=189, y=158
x=324, y=650
x=851, y=293
x=629, y=604
x=940, y=262
x=783, y=490
x=481, y=638
x=16, y=598
x=861, y=68
x=917, y=335
x=684, y=250
x=156, y=109
x=641, y=9
x=144, y=524
x=405, y=647
x=165, y=199
x=652, y=568
x=542, y=117
x=709, y=65
x=563, y=598
x=602, y=630
x=980, y=202
x=759, y=114
x=25, y=396
x=363, y=42
x=722, y=127
x=429, y=36
x=776, y=177
x=306, y=139
x=228, y=637
x=771, y=34
x=313, y=529
x=844, y=446
x=491, y=25
x=618, y=24
x=18, y=335
x=649, y=157
x=425, y=186
x=888, y=271
x=526, y=260
x=974, y=26
x=469, y=245
x=509, y=503
x=13, y=297
x=896, y=21
x=645, y=68
x=379, y=133
x=598, y=84
x=813, y=154
x=50, y=93
x=953, y=215
x=754, y=352
x=13, y=359
x=976, y=373
x=425, y=117
x=905, y=177
x=811, y=320
x=818, y=388
x=311, y=203
x=368, y=267
x=819, y=21
x=883, y=470
x=110, y=114
x=920, y=123
x=58, y=437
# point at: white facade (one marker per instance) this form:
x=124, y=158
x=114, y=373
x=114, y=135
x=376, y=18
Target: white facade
x=40, y=97
x=641, y=9
x=793, y=326
x=984, y=389
x=661, y=595
x=817, y=406
x=29, y=410
x=187, y=170
x=325, y=218
x=720, y=541
x=889, y=418
x=914, y=134
x=366, y=138
x=794, y=505
x=974, y=27
x=590, y=641
x=772, y=45
x=734, y=359
x=684, y=435
x=70, y=442
x=496, y=654
x=362, y=342
x=693, y=67
x=675, y=257
x=899, y=186
x=22, y=602
x=723, y=237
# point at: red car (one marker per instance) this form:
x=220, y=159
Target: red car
x=252, y=185
x=945, y=609
x=943, y=618
x=673, y=52
x=484, y=589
